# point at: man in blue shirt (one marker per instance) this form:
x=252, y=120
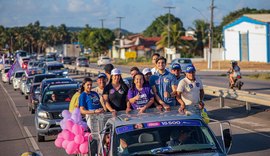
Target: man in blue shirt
x=164, y=85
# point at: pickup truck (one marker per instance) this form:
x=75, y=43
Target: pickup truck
x=158, y=133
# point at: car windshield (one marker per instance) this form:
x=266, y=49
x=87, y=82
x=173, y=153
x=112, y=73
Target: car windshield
x=166, y=136
x=7, y=61
x=6, y=70
x=59, y=95
x=66, y=58
x=56, y=67
x=29, y=80
x=19, y=74
x=184, y=61
x=105, y=58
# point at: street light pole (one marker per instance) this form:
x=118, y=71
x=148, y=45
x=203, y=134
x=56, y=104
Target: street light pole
x=169, y=23
x=211, y=35
x=102, y=23
x=120, y=19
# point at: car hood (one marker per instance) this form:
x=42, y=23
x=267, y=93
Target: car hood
x=54, y=107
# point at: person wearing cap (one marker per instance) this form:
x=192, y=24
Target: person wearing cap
x=101, y=83
x=140, y=95
x=176, y=71
x=115, y=93
x=190, y=92
x=147, y=74
x=108, y=69
x=164, y=85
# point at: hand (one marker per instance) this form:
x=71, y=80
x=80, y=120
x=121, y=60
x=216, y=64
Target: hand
x=142, y=109
x=159, y=107
x=173, y=94
x=166, y=107
x=114, y=113
x=201, y=105
x=182, y=109
x=100, y=110
x=128, y=109
x=137, y=97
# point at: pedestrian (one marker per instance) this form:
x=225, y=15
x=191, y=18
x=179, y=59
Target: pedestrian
x=164, y=85
x=115, y=93
x=147, y=74
x=190, y=92
x=140, y=95
x=101, y=83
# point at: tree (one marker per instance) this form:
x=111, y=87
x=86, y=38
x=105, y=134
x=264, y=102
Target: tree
x=201, y=29
x=157, y=26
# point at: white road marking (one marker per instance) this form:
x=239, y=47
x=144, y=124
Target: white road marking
x=12, y=102
x=31, y=138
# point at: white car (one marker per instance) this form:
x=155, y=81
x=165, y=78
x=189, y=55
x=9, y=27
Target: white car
x=22, y=84
x=103, y=60
x=17, y=78
x=5, y=74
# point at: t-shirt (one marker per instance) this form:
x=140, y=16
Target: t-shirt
x=190, y=90
x=116, y=98
x=145, y=95
x=89, y=101
x=74, y=101
x=100, y=92
x=163, y=84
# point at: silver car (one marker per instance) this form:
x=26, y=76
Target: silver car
x=4, y=74
x=82, y=62
x=16, y=79
x=103, y=60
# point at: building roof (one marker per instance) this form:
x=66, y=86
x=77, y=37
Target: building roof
x=259, y=17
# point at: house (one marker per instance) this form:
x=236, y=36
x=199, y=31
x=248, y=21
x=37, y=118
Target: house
x=248, y=39
x=138, y=44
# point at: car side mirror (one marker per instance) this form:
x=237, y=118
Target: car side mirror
x=227, y=138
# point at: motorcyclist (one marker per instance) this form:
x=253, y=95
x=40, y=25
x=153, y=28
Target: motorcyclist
x=233, y=71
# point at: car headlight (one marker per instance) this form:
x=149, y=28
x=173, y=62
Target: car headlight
x=43, y=114
x=65, y=72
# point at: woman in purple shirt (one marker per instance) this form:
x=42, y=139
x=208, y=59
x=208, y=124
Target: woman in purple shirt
x=140, y=95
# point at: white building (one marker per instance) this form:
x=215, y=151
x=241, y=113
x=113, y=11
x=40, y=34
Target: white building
x=248, y=39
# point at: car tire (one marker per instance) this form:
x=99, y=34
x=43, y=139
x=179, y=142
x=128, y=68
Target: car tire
x=40, y=138
x=15, y=89
x=21, y=92
x=26, y=97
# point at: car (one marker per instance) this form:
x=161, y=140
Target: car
x=184, y=62
x=154, y=132
x=39, y=77
x=32, y=64
x=82, y=62
x=27, y=85
x=56, y=68
x=22, y=84
x=4, y=74
x=66, y=60
x=34, y=95
x=103, y=60
x=48, y=113
x=16, y=78
x=52, y=81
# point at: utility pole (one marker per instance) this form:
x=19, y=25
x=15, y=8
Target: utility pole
x=102, y=23
x=120, y=19
x=169, y=23
x=212, y=7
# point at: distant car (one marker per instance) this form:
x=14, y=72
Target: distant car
x=82, y=62
x=56, y=68
x=53, y=81
x=22, y=83
x=27, y=85
x=39, y=77
x=34, y=95
x=48, y=113
x=184, y=62
x=103, y=60
x=66, y=60
x=32, y=64
x=5, y=74
x=17, y=78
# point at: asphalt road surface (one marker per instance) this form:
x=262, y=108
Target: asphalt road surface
x=251, y=130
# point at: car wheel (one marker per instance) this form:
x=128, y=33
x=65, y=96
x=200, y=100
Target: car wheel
x=15, y=89
x=21, y=92
x=26, y=97
x=40, y=138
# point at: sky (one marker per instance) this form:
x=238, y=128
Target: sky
x=138, y=14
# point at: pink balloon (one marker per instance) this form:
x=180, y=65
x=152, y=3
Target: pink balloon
x=76, y=118
x=63, y=124
x=86, y=136
x=79, y=139
x=69, y=124
x=66, y=114
x=65, y=143
x=58, y=142
x=84, y=125
x=60, y=135
x=77, y=129
x=67, y=135
x=71, y=147
x=84, y=147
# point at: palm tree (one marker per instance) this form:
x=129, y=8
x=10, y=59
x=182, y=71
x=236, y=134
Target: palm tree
x=201, y=29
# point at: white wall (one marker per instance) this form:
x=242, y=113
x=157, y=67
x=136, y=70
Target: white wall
x=217, y=54
x=257, y=41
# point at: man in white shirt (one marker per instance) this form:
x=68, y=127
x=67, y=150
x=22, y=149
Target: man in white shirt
x=190, y=92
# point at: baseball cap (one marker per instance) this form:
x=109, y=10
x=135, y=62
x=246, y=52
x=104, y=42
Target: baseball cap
x=116, y=71
x=108, y=68
x=190, y=69
x=146, y=70
x=176, y=66
x=100, y=75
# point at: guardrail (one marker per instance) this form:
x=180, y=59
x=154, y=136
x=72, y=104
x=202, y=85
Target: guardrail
x=222, y=93
x=248, y=97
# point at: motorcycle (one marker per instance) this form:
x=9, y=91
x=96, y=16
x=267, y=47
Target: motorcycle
x=237, y=81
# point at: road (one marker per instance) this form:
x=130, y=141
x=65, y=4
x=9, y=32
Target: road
x=18, y=132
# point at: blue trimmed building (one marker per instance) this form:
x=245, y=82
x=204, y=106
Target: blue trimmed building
x=248, y=38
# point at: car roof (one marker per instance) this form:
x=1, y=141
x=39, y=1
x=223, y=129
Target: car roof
x=64, y=86
x=19, y=71
x=56, y=79
x=53, y=63
x=130, y=119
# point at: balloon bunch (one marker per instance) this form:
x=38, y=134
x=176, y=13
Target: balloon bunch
x=73, y=137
